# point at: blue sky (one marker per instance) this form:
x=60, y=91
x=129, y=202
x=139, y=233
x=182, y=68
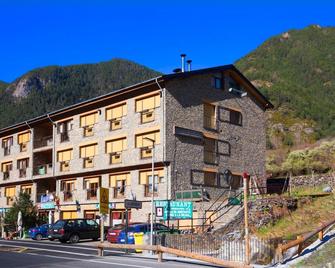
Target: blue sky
x=154, y=33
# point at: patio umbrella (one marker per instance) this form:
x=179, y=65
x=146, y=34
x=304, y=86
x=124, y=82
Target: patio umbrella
x=50, y=221
x=19, y=222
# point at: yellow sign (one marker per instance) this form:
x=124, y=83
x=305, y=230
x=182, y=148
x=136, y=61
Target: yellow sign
x=104, y=200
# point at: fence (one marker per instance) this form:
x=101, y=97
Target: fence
x=263, y=251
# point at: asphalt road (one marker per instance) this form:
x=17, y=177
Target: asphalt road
x=28, y=254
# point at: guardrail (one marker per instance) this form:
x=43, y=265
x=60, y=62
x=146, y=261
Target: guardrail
x=301, y=240
x=160, y=250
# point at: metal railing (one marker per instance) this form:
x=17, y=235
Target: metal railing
x=43, y=141
x=44, y=169
x=221, y=247
x=115, y=123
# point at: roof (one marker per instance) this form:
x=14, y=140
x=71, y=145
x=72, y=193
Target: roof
x=266, y=103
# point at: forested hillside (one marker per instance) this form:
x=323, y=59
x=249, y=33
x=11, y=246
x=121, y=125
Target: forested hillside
x=50, y=88
x=296, y=70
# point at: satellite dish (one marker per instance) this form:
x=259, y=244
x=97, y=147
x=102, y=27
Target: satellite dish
x=228, y=176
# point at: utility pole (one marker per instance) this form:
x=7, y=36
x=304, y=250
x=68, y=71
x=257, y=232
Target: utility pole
x=152, y=190
x=246, y=177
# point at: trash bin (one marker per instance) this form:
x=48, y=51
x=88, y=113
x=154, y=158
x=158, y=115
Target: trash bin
x=138, y=240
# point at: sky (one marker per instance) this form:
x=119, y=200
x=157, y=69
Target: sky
x=38, y=33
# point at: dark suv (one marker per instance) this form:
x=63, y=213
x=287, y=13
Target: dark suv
x=73, y=230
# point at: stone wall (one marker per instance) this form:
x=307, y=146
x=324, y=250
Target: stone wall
x=313, y=180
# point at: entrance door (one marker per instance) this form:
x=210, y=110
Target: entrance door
x=119, y=216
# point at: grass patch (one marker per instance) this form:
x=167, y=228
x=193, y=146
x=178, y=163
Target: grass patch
x=321, y=257
x=306, y=218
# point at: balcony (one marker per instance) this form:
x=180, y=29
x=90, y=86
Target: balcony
x=23, y=147
x=88, y=131
x=10, y=200
x=91, y=194
x=6, y=151
x=22, y=173
x=6, y=175
x=147, y=116
x=64, y=137
x=115, y=158
x=115, y=123
x=64, y=166
x=68, y=196
x=43, y=142
x=148, y=190
x=88, y=162
x=45, y=169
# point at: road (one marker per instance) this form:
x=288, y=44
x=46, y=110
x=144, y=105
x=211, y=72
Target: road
x=30, y=254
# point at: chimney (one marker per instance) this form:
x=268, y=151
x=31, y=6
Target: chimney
x=189, y=65
x=183, y=62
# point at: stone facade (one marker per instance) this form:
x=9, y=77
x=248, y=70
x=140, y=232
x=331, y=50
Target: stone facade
x=313, y=180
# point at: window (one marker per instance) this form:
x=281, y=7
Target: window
x=87, y=153
x=146, y=180
x=10, y=194
x=67, y=187
x=22, y=165
x=63, y=129
x=210, y=151
x=92, y=223
x=234, y=182
x=115, y=114
x=64, y=157
x=87, y=122
x=119, y=182
x=6, y=145
x=146, y=145
x=114, y=148
x=6, y=168
x=235, y=117
x=23, y=140
x=210, y=179
x=210, y=116
x=26, y=189
x=217, y=81
x=91, y=186
x=146, y=107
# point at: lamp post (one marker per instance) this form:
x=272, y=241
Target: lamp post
x=152, y=189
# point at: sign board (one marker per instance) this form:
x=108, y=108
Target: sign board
x=175, y=210
x=48, y=205
x=132, y=204
x=159, y=212
x=189, y=194
x=104, y=200
x=111, y=205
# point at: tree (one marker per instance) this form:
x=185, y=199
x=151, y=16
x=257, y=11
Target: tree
x=29, y=213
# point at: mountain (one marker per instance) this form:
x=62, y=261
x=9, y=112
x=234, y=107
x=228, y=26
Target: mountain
x=54, y=87
x=296, y=71
x=3, y=85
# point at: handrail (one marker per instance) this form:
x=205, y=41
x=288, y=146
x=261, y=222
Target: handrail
x=160, y=250
x=303, y=238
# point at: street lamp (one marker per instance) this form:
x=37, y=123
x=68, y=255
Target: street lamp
x=152, y=189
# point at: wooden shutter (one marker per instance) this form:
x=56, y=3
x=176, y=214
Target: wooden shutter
x=141, y=142
x=23, y=138
x=116, y=145
x=65, y=155
x=88, y=151
x=120, y=177
x=148, y=103
x=10, y=191
x=116, y=112
x=88, y=120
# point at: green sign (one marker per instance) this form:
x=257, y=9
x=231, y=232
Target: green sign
x=175, y=210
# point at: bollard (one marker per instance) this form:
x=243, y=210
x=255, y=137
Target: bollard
x=100, y=252
x=160, y=256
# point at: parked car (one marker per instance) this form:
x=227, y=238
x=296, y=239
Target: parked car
x=73, y=230
x=40, y=232
x=143, y=228
x=113, y=233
